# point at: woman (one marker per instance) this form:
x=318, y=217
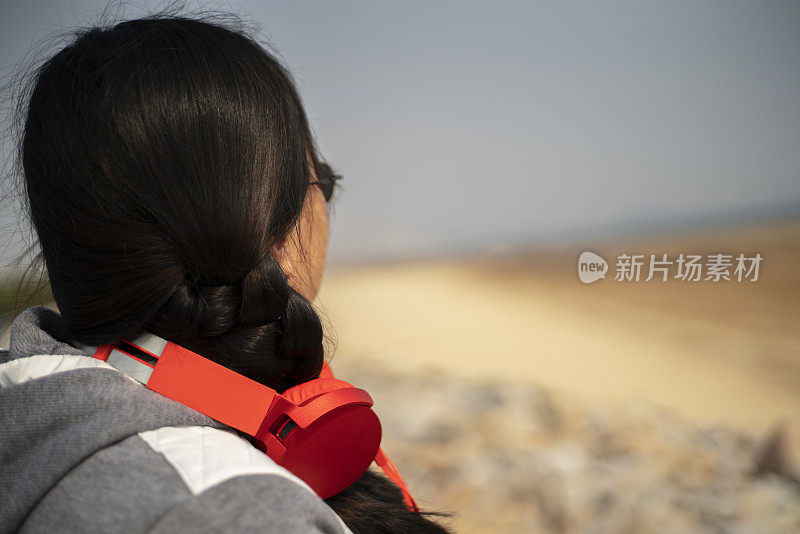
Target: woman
x=175, y=187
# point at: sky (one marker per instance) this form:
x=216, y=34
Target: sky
x=476, y=125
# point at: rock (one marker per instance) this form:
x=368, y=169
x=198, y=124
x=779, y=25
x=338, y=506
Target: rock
x=520, y=458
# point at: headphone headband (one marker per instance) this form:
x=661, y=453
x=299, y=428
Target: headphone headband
x=324, y=430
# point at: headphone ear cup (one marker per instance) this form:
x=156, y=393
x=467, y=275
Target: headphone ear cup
x=339, y=445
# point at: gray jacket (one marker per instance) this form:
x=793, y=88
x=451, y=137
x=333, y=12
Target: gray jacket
x=84, y=448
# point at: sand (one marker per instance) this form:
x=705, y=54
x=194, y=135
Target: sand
x=724, y=353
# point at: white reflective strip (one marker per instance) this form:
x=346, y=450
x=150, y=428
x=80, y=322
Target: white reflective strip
x=131, y=367
x=24, y=369
x=150, y=342
x=146, y=341
x=205, y=456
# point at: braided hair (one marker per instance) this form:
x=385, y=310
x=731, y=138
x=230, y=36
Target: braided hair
x=261, y=314
x=164, y=159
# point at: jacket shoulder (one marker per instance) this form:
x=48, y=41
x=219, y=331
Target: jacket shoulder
x=183, y=479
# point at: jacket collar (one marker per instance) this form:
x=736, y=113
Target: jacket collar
x=39, y=330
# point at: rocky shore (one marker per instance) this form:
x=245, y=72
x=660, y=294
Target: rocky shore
x=523, y=459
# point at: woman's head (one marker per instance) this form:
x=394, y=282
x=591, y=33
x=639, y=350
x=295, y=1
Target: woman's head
x=168, y=164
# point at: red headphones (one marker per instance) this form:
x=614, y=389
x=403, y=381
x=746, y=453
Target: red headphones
x=323, y=431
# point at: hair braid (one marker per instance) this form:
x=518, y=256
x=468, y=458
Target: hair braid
x=260, y=326
x=267, y=298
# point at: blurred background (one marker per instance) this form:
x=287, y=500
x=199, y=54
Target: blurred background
x=484, y=146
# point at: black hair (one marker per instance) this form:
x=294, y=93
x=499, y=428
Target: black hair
x=163, y=158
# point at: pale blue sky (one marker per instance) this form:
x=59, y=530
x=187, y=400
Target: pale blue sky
x=461, y=125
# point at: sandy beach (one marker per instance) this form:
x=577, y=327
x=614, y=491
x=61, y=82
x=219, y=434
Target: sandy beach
x=724, y=353
x=526, y=401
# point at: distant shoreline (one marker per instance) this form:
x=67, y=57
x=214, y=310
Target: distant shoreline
x=633, y=230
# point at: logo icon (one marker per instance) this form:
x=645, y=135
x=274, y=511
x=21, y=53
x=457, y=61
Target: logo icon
x=591, y=267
